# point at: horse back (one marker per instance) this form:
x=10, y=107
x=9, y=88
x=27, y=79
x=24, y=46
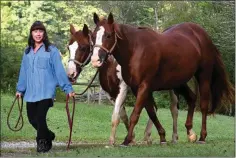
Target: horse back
x=183, y=45
x=189, y=35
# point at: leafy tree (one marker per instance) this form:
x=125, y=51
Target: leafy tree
x=217, y=17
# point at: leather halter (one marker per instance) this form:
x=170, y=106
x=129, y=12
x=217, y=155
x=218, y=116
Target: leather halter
x=109, y=52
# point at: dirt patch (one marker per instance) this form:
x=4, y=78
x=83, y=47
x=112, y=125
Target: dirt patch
x=28, y=148
x=24, y=144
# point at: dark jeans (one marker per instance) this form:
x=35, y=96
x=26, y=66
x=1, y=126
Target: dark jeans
x=37, y=113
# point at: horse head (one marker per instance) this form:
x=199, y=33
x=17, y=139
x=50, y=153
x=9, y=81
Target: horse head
x=105, y=39
x=80, y=49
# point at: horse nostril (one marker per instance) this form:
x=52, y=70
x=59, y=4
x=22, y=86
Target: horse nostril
x=72, y=75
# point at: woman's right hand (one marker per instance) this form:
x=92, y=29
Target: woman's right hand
x=71, y=94
x=18, y=94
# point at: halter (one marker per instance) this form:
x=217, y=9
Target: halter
x=84, y=63
x=105, y=49
x=88, y=58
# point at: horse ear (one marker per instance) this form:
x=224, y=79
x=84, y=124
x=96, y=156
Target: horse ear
x=110, y=18
x=85, y=30
x=72, y=29
x=95, y=18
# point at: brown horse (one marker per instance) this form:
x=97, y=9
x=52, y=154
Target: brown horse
x=152, y=61
x=111, y=81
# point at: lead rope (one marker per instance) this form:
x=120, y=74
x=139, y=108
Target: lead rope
x=90, y=83
x=20, y=115
x=70, y=119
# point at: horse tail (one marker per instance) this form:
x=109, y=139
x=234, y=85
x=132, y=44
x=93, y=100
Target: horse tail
x=222, y=90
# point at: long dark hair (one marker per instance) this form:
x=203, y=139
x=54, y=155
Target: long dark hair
x=38, y=25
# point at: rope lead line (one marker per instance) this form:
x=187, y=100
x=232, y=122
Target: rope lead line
x=70, y=119
x=20, y=106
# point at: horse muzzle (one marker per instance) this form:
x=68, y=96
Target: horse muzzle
x=96, y=62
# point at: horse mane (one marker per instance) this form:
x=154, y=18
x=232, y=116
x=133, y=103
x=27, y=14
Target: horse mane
x=168, y=28
x=124, y=29
x=148, y=28
x=101, y=18
x=142, y=27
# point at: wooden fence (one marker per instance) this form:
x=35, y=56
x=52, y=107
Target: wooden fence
x=94, y=94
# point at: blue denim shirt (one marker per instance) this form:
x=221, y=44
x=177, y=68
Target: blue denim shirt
x=40, y=73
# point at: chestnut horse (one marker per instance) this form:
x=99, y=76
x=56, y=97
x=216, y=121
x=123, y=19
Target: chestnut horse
x=111, y=81
x=153, y=61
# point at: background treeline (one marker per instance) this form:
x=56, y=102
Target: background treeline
x=217, y=17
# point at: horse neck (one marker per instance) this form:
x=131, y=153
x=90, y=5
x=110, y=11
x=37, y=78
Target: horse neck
x=122, y=52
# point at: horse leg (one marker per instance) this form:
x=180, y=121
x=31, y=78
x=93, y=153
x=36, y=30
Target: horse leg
x=190, y=98
x=125, y=119
x=174, y=113
x=142, y=97
x=151, y=110
x=204, y=89
x=116, y=112
x=147, y=132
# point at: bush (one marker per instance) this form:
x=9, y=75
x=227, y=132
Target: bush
x=162, y=100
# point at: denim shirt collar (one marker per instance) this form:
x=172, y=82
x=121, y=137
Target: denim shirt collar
x=41, y=47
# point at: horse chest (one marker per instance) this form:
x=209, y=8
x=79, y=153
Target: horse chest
x=109, y=80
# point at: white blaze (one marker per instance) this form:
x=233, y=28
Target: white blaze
x=98, y=41
x=71, y=65
x=123, y=91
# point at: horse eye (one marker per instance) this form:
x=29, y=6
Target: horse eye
x=83, y=48
x=108, y=36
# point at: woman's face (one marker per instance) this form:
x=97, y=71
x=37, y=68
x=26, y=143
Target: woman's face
x=38, y=35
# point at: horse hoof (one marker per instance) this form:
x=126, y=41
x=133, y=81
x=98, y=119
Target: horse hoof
x=133, y=142
x=163, y=143
x=175, y=137
x=123, y=145
x=111, y=143
x=109, y=146
x=201, y=142
x=192, y=138
x=174, y=141
x=148, y=142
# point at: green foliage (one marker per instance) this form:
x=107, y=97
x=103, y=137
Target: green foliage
x=217, y=18
x=162, y=100
x=17, y=17
x=60, y=95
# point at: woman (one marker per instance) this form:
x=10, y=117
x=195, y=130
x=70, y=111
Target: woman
x=41, y=70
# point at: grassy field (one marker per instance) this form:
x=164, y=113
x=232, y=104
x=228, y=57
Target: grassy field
x=92, y=129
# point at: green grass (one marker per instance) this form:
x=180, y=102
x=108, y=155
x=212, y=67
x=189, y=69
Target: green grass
x=92, y=125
